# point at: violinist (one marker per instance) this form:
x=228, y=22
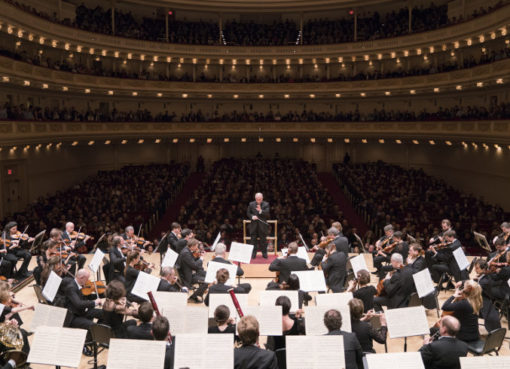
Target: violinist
x=487, y=283
x=387, y=247
x=116, y=307
x=220, y=285
x=334, y=267
x=504, y=236
x=446, y=225
x=173, y=237
x=133, y=240
x=15, y=251
x=502, y=249
x=415, y=258
x=117, y=259
x=220, y=257
x=398, y=285
x=73, y=241
x=169, y=282
x=131, y=275
x=192, y=270
x=365, y=292
x=6, y=267
x=440, y=257
x=285, y=265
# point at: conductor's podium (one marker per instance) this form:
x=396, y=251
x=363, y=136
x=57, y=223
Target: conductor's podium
x=261, y=270
x=273, y=238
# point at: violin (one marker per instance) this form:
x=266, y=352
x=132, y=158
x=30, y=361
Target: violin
x=143, y=266
x=388, y=249
x=98, y=288
x=199, y=252
x=380, y=286
x=79, y=236
x=324, y=243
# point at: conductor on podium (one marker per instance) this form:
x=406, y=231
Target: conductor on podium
x=258, y=213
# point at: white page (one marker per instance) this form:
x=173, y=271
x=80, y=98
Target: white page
x=216, y=299
x=145, y=283
x=136, y=354
x=205, y=351
x=407, y=322
x=96, y=261
x=268, y=298
x=47, y=315
x=169, y=259
x=314, y=319
x=187, y=319
x=2, y=307
x=461, y=258
x=57, y=346
x=169, y=300
x=403, y=360
x=214, y=266
x=216, y=240
x=423, y=283
x=358, y=263
x=508, y=282
x=311, y=280
x=240, y=252
x=486, y=362
x=51, y=287
x=333, y=299
x=269, y=318
x=315, y=352
x=303, y=254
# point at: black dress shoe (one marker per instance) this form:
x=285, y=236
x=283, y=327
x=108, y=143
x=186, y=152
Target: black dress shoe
x=87, y=351
x=264, y=256
x=194, y=299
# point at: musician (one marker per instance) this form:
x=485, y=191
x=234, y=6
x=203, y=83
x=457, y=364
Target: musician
x=186, y=235
x=378, y=255
x=334, y=267
x=161, y=332
x=173, y=237
x=288, y=264
x=131, y=275
x=220, y=286
x=291, y=325
x=220, y=254
x=116, y=308
x=168, y=282
x=250, y=355
x=16, y=251
x=446, y=226
x=117, y=259
x=224, y=323
x=486, y=281
x=73, y=243
x=10, y=315
x=6, y=267
x=293, y=285
x=415, y=259
x=446, y=351
x=398, y=286
x=258, y=213
x=341, y=242
x=440, y=257
x=142, y=331
x=352, y=348
x=365, y=291
x=191, y=270
x=505, y=235
x=363, y=329
x=502, y=249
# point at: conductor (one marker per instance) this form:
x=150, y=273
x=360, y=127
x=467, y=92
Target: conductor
x=258, y=213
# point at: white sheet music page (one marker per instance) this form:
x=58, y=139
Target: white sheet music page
x=136, y=354
x=96, y=261
x=145, y=283
x=314, y=319
x=168, y=300
x=358, y=263
x=216, y=240
x=461, y=258
x=269, y=318
x=47, y=315
x=240, y=252
x=204, y=351
x=187, y=319
x=333, y=299
x=303, y=254
x=404, y=360
x=216, y=299
x=315, y=352
x=169, y=259
x=214, y=266
x=57, y=346
x=311, y=280
x=423, y=283
x=407, y=322
x=485, y=362
x=51, y=287
x=268, y=298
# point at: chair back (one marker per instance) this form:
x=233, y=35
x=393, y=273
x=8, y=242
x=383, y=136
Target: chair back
x=101, y=333
x=494, y=341
x=281, y=358
x=414, y=300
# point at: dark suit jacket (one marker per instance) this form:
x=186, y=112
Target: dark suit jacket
x=165, y=286
x=287, y=266
x=188, y=264
x=76, y=303
x=117, y=260
x=443, y=353
x=169, y=355
x=419, y=264
x=366, y=333
x=140, y=332
x=252, y=357
x=335, y=271
x=221, y=288
x=399, y=287
x=255, y=225
x=352, y=349
x=172, y=241
x=317, y=258
x=217, y=259
x=342, y=244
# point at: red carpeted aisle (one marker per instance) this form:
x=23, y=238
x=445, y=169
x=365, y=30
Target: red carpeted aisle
x=331, y=184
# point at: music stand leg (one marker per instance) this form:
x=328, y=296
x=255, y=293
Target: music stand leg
x=405, y=344
x=238, y=277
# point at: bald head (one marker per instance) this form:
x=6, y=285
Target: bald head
x=450, y=326
x=258, y=197
x=82, y=276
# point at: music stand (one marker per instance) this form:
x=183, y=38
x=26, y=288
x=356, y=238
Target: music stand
x=37, y=242
x=481, y=240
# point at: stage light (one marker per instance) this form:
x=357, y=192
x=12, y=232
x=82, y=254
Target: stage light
x=141, y=141
x=295, y=139
x=91, y=142
x=347, y=140
x=416, y=142
x=397, y=141
x=364, y=140
x=157, y=140
x=226, y=139
x=209, y=140
x=175, y=140
x=74, y=143
x=312, y=139
x=107, y=142
x=381, y=140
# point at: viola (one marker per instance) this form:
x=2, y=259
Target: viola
x=90, y=288
x=79, y=236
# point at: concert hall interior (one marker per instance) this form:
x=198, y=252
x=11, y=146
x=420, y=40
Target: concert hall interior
x=254, y=184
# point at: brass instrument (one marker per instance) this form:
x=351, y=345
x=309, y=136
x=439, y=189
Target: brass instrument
x=10, y=336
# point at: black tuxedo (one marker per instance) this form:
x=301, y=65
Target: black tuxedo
x=252, y=357
x=191, y=270
x=419, y=264
x=222, y=288
x=82, y=310
x=165, y=286
x=335, y=271
x=342, y=244
x=398, y=289
x=443, y=353
x=140, y=332
x=352, y=349
x=117, y=260
x=287, y=266
x=172, y=240
x=258, y=229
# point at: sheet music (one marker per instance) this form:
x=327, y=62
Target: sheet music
x=358, y=263
x=461, y=258
x=214, y=266
x=2, y=307
x=216, y=299
x=269, y=318
x=187, y=319
x=51, y=287
x=96, y=261
x=508, y=282
x=314, y=319
x=486, y=362
x=302, y=253
x=145, y=283
x=169, y=259
x=311, y=280
x=208, y=351
x=403, y=360
x=423, y=283
x=136, y=354
x=268, y=298
x=333, y=299
x=57, y=346
x=315, y=352
x=407, y=322
x=169, y=300
x=240, y=252
x=47, y=315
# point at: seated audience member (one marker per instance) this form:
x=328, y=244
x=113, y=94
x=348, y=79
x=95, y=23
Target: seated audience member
x=219, y=286
x=224, y=323
x=361, y=326
x=445, y=351
x=249, y=355
x=352, y=347
x=291, y=325
x=365, y=292
x=116, y=308
x=143, y=330
x=161, y=332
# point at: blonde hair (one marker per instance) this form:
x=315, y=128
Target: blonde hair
x=473, y=293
